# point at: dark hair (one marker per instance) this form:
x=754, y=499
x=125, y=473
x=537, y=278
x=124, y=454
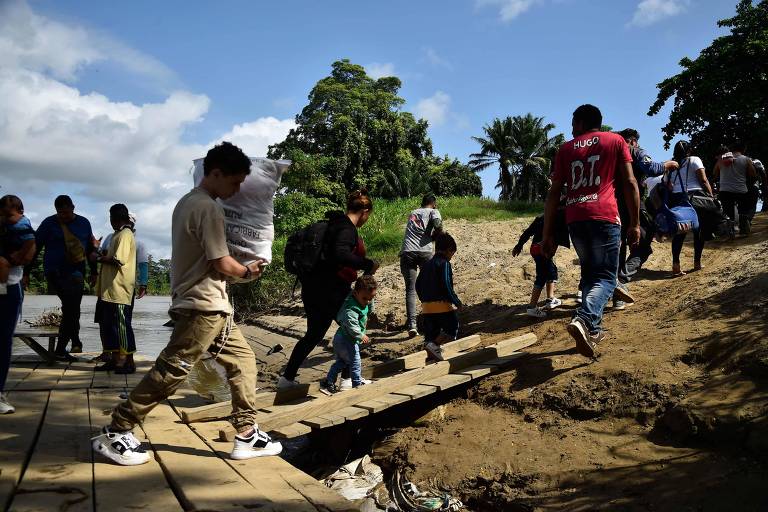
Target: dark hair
x=119, y=211
x=63, y=201
x=629, y=133
x=589, y=115
x=721, y=150
x=445, y=242
x=11, y=201
x=681, y=150
x=228, y=158
x=359, y=200
x=428, y=200
x=366, y=283
x=738, y=146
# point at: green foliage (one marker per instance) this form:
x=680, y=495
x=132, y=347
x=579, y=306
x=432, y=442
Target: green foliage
x=295, y=210
x=159, y=282
x=353, y=126
x=523, y=150
x=722, y=95
x=449, y=177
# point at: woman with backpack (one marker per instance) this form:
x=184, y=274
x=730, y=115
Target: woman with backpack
x=689, y=182
x=324, y=289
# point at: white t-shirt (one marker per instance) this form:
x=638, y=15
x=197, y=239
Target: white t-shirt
x=688, y=175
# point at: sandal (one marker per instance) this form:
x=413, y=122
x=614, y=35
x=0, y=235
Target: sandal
x=676, y=271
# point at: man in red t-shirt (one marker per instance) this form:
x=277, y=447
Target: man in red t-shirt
x=592, y=166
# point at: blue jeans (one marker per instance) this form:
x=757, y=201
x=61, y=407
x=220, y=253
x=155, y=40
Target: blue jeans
x=597, y=244
x=10, y=309
x=347, y=356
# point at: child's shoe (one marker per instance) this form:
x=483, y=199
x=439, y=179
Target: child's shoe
x=363, y=382
x=552, y=303
x=434, y=351
x=346, y=384
x=328, y=387
x=536, y=313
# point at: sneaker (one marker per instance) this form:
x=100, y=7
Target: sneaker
x=327, y=387
x=259, y=444
x=591, y=344
x=412, y=332
x=64, y=357
x=76, y=349
x=622, y=293
x=552, y=303
x=5, y=405
x=283, y=383
x=346, y=384
x=619, y=305
x=434, y=351
x=536, y=312
x=363, y=382
x=578, y=296
x=579, y=332
x=120, y=447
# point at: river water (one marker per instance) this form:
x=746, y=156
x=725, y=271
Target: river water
x=149, y=315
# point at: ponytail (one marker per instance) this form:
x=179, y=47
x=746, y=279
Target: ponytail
x=359, y=200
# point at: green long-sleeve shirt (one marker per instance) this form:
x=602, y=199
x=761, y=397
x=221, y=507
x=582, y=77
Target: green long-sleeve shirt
x=353, y=319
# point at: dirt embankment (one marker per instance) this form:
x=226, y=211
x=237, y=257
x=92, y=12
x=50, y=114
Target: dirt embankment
x=672, y=416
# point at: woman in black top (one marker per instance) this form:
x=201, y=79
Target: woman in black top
x=324, y=291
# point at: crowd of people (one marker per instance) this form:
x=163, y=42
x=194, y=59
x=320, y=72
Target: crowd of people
x=605, y=198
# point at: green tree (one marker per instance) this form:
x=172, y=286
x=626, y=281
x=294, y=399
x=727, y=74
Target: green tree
x=722, y=95
x=524, y=151
x=449, y=177
x=354, y=125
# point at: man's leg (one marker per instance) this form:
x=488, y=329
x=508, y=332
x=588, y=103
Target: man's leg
x=193, y=333
x=10, y=307
x=76, y=302
x=728, y=201
x=746, y=203
x=318, y=323
x=409, y=270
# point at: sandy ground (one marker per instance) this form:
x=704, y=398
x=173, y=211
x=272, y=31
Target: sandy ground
x=672, y=416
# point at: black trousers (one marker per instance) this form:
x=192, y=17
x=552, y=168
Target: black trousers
x=69, y=290
x=322, y=300
x=746, y=205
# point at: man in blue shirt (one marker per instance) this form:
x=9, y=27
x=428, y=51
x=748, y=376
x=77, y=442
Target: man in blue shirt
x=68, y=242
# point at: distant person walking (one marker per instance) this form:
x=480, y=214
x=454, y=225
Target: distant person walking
x=687, y=181
x=592, y=166
x=733, y=172
x=67, y=240
x=142, y=257
x=200, y=264
x=115, y=290
x=424, y=225
x=324, y=291
x=17, y=248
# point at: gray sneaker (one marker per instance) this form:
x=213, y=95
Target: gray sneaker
x=580, y=333
x=619, y=305
x=622, y=293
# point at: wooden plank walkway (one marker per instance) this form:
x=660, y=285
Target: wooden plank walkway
x=46, y=461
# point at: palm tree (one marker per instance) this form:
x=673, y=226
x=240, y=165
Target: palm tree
x=407, y=181
x=496, y=148
x=523, y=150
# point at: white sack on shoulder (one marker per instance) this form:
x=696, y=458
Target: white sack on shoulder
x=249, y=214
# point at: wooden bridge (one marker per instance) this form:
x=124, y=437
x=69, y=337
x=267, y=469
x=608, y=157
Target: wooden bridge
x=46, y=462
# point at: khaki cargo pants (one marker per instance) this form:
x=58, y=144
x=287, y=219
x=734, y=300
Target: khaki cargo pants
x=194, y=333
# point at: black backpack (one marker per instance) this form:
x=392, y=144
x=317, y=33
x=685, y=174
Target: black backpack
x=304, y=249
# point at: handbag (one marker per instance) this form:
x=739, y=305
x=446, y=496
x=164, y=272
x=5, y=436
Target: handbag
x=678, y=216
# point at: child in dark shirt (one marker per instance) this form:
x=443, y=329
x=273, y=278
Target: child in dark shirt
x=439, y=302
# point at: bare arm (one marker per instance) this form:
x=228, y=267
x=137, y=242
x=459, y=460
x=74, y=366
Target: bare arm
x=24, y=255
x=702, y=174
x=229, y=266
x=632, y=200
x=716, y=173
x=550, y=214
x=751, y=171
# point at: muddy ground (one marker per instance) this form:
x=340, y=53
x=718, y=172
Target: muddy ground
x=672, y=416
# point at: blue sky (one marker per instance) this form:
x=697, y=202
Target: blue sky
x=110, y=101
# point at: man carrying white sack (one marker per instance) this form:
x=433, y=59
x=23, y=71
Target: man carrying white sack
x=200, y=264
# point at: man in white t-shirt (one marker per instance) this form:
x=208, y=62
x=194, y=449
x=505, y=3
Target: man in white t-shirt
x=424, y=224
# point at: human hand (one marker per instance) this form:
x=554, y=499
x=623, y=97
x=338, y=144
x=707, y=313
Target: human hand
x=257, y=267
x=633, y=236
x=548, y=247
x=92, y=280
x=671, y=165
x=25, y=281
x=366, y=339
x=516, y=251
x=142, y=291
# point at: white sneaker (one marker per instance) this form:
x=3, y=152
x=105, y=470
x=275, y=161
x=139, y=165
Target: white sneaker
x=552, y=303
x=578, y=296
x=259, y=444
x=5, y=405
x=283, y=383
x=3, y=288
x=346, y=384
x=536, y=312
x=120, y=447
x=363, y=382
x=434, y=351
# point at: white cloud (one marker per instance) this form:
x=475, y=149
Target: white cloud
x=55, y=139
x=651, y=11
x=436, y=60
x=378, y=70
x=508, y=9
x=435, y=109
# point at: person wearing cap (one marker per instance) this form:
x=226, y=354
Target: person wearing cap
x=115, y=289
x=142, y=258
x=733, y=171
x=67, y=242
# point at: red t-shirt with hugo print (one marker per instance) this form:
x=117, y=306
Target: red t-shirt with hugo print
x=588, y=164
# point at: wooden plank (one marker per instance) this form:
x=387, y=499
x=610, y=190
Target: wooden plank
x=264, y=399
x=352, y=413
x=318, y=422
x=17, y=373
x=36, y=347
x=418, y=359
x=448, y=381
x=503, y=362
x=17, y=438
x=78, y=375
x=478, y=371
x=149, y=489
x=201, y=479
x=291, y=431
x=392, y=400
x=373, y=406
x=417, y=391
x=44, y=377
x=60, y=474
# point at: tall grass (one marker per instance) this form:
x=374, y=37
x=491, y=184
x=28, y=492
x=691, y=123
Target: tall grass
x=383, y=236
